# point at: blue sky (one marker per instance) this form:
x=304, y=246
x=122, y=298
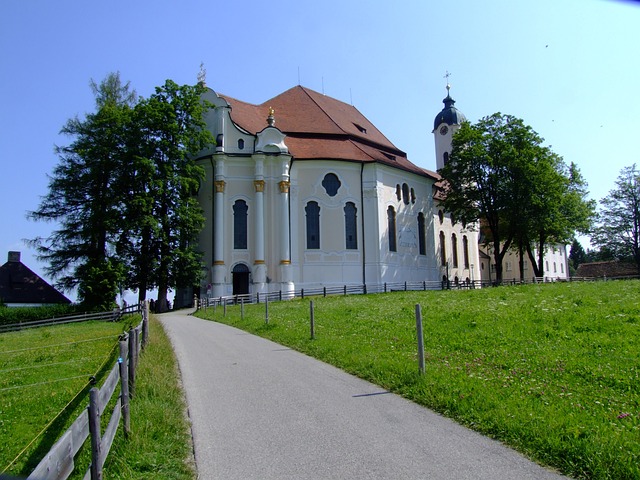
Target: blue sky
x=569, y=68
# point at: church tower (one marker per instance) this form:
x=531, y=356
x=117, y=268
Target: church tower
x=444, y=126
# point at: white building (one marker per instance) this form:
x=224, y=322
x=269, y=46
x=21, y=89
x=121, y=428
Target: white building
x=303, y=191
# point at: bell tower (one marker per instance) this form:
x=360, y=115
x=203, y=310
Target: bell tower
x=446, y=123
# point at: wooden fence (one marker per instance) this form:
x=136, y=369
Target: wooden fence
x=363, y=289
x=112, y=316
x=58, y=464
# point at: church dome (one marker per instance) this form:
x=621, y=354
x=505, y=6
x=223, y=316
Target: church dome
x=449, y=114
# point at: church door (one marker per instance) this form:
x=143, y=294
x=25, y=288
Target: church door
x=240, y=279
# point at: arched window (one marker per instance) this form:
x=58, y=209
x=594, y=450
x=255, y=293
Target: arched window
x=398, y=192
x=443, y=251
x=441, y=216
x=421, y=234
x=445, y=157
x=413, y=196
x=465, y=250
x=313, y=225
x=331, y=184
x=240, y=144
x=405, y=193
x=240, y=224
x=350, y=226
x=454, y=250
x=391, y=220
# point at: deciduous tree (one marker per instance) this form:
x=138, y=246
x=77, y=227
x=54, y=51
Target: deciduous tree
x=618, y=225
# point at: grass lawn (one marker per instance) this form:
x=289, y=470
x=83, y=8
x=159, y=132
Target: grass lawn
x=42, y=371
x=45, y=372
x=551, y=369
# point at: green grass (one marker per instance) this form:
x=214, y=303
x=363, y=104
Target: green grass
x=552, y=370
x=160, y=444
x=45, y=372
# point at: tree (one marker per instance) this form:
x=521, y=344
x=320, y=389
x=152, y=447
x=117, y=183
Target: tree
x=84, y=198
x=618, y=224
x=524, y=195
x=577, y=255
x=558, y=206
x=485, y=178
x=164, y=216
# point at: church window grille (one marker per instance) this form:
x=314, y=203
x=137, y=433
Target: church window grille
x=422, y=234
x=443, y=251
x=313, y=225
x=331, y=184
x=350, y=226
x=465, y=250
x=391, y=220
x=240, y=209
x=445, y=157
x=454, y=250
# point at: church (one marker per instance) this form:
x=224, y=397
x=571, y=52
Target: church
x=303, y=191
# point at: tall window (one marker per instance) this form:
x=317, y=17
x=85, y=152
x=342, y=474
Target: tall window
x=422, y=234
x=405, y=193
x=445, y=157
x=465, y=250
x=391, y=219
x=240, y=224
x=454, y=250
x=443, y=251
x=350, y=226
x=313, y=225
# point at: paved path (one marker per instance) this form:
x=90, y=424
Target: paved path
x=262, y=411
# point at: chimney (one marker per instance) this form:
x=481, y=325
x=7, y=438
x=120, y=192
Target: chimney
x=14, y=257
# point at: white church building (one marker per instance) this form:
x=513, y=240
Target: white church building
x=303, y=191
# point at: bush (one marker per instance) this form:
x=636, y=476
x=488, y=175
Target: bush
x=9, y=315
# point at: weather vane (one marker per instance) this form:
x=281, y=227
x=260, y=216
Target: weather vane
x=447, y=75
x=202, y=75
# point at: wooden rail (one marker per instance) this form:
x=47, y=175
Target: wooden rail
x=112, y=316
x=58, y=463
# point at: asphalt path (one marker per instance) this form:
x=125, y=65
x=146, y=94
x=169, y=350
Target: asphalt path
x=262, y=411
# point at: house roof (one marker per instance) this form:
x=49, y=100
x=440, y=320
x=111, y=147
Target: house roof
x=321, y=127
x=607, y=269
x=18, y=284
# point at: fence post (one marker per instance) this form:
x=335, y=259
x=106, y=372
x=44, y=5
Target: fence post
x=132, y=361
x=312, y=320
x=345, y=289
x=266, y=309
x=145, y=324
x=324, y=291
x=420, y=338
x=364, y=289
x=124, y=387
x=225, y=309
x=280, y=295
x=242, y=309
x=302, y=293
x=385, y=287
x=94, y=431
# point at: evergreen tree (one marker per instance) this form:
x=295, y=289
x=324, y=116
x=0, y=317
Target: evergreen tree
x=84, y=198
x=577, y=255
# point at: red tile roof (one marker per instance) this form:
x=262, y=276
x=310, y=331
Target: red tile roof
x=321, y=127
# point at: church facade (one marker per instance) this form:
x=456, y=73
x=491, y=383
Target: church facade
x=303, y=191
